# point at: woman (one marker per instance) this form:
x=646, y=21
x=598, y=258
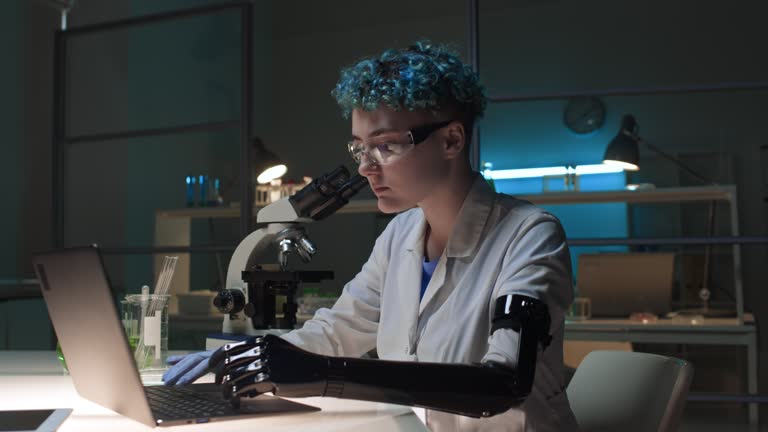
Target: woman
x=442, y=295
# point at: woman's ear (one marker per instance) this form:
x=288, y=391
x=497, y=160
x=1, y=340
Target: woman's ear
x=455, y=140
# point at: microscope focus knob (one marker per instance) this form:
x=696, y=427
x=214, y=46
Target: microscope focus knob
x=250, y=310
x=229, y=301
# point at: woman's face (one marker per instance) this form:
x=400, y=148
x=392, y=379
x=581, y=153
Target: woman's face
x=406, y=181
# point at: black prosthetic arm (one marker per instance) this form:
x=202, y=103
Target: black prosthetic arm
x=271, y=364
x=470, y=390
x=529, y=317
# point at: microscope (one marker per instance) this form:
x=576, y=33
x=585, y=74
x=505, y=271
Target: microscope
x=249, y=299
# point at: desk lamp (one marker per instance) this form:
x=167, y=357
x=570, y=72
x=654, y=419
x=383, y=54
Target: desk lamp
x=623, y=151
x=266, y=165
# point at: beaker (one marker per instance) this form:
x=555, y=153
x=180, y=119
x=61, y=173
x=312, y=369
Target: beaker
x=580, y=309
x=145, y=319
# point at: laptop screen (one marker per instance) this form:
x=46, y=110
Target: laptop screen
x=85, y=318
x=84, y=315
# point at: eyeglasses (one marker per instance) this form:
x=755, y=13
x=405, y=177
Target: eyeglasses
x=389, y=147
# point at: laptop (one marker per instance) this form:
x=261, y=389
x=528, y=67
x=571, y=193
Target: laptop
x=619, y=284
x=84, y=316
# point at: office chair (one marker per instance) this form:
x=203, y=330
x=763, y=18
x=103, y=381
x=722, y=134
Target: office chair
x=629, y=392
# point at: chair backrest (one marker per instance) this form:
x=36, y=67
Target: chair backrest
x=629, y=392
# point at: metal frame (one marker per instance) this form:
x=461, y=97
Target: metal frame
x=667, y=195
x=61, y=140
x=637, y=91
x=14, y=289
x=473, y=42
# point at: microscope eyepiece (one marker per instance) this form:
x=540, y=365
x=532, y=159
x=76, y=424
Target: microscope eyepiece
x=327, y=193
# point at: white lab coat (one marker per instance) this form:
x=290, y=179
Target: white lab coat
x=500, y=245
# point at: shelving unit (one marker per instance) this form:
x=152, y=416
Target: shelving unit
x=728, y=332
x=683, y=194
x=172, y=225
x=726, y=193
x=354, y=206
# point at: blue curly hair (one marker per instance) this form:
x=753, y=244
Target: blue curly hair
x=423, y=76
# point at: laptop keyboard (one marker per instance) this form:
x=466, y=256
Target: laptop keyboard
x=174, y=402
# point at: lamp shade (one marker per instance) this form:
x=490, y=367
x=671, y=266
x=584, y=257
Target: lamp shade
x=266, y=165
x=623, y=150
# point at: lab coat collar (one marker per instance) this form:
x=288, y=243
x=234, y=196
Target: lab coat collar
x=472, y=219
x=470, y=222
x=415, y=240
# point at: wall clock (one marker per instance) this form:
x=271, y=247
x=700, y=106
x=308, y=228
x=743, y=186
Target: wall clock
x=584, y=114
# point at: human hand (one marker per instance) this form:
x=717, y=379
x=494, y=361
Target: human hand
x=187, y=368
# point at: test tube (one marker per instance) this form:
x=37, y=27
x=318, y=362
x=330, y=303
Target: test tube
x=212, y=192
x=217, y=191
x=203, y=188
x=190, y=183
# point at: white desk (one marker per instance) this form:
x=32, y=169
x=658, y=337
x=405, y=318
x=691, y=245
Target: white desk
x=679, y=330
x=35, y=380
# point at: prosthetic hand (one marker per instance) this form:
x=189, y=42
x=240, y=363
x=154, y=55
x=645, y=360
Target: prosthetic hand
x=270, y=364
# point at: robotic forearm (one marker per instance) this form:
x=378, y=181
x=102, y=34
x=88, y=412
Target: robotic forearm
x=271, y=364
x=471, y=390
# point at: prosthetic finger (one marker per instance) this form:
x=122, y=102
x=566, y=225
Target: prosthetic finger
x=235, y=348
x=252, y=390
x=236, y=361
x=242, y=381
x=248, y=356
x=220, y=361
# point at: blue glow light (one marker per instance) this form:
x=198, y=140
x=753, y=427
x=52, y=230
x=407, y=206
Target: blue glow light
x=551, y=171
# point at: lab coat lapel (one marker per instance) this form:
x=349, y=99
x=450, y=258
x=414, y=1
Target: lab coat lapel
x=435, y=283
x=409, y=281
x=466, y=235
